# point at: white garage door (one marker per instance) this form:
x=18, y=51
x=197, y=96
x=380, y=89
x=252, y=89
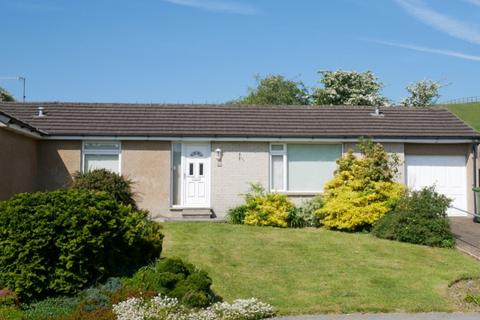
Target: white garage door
x=447, y=173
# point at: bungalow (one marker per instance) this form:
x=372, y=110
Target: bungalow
x=196, y=160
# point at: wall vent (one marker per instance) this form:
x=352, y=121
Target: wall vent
x=41, y=112
x=377, y=113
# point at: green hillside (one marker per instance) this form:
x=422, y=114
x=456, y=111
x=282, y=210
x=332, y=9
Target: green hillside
x=468, y=112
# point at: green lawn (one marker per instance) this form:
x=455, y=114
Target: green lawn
x=308, y=271
x=468, y=112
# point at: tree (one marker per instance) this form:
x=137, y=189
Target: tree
x=6, y=96
x=422, y=93
x=276, y=90
x=349, y=88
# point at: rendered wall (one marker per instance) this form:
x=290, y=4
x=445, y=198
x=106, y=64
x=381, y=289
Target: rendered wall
x=242, y=163
x=147, y=164
x=18, y=163
x=57, y=162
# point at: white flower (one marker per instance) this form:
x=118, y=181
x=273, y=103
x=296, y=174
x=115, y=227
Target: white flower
x=165, y=308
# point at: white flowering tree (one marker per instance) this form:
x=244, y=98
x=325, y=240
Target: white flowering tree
x=422, y=93
x=349, y=88
x=5, y=95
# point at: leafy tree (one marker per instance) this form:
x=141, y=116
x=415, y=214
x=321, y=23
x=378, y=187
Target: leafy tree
x=349, y=88
x=422, y=93
x=6, y=96
x=276, y=90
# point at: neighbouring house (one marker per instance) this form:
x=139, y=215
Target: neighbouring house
x=197, y=160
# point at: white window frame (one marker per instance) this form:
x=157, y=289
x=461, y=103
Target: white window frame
x=284, y=153
x=285, y=162
x=102, y=152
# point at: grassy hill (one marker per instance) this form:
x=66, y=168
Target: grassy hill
x=310, y=271
x=468, y=112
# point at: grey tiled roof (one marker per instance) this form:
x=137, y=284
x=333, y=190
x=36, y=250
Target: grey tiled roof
x=168, y=120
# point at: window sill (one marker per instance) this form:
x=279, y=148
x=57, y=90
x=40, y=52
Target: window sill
x=300, y=193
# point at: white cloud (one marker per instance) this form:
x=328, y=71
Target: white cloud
x=217, y=5
x=442, y=22
x=474, y=2
x=450, y=53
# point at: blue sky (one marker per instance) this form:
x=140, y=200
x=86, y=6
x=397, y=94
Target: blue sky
x=209, y=50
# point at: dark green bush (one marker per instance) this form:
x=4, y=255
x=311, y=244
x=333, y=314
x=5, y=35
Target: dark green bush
x=57, y=243
x=237, y=215
x=177, y=279
x=104, y=180
x=420, y=218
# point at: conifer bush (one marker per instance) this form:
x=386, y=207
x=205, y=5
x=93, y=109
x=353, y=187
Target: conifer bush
x=57, y=243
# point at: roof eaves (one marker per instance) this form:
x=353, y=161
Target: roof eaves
x=18, y=125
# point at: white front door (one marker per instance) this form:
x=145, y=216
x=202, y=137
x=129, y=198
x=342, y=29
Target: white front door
x=196, y=175
x=447, y=173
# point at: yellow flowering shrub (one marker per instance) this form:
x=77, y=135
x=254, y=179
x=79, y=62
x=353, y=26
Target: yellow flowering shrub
x=363, y=189
x=268, y=210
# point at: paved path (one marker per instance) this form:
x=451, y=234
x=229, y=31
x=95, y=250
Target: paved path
x=467, y=234
x=389, y=316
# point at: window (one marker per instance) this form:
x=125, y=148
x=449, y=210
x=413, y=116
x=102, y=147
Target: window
x=101, y=155
x=302, y=167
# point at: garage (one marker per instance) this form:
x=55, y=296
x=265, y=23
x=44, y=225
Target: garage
x=447, y=173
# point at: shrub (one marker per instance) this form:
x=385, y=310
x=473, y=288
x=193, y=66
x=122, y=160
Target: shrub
x=57, y=243
x=11, y=313
x=362, y=190
x=272, y=209
x=237, y=215
x=105, y=180
x=304, y=216
x=420, y=218
x=176, y=279
x=51, y=308
x=8, y=298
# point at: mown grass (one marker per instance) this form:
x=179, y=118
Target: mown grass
x=308, y=271
x=468, y=112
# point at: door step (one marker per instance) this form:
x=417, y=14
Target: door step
x=197, y=213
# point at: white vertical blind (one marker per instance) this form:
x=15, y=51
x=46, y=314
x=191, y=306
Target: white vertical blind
x=311, y=165
x=277, y=172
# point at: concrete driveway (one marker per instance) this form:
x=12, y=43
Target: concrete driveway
x=389, y=316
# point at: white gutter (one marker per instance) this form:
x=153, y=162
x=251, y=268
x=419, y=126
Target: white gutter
x=268, y=139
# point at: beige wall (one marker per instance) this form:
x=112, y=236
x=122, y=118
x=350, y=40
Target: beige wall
x=18, y=163
x=147, y=164
x=464, y=149
x=242, y=163
x=57, y=162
